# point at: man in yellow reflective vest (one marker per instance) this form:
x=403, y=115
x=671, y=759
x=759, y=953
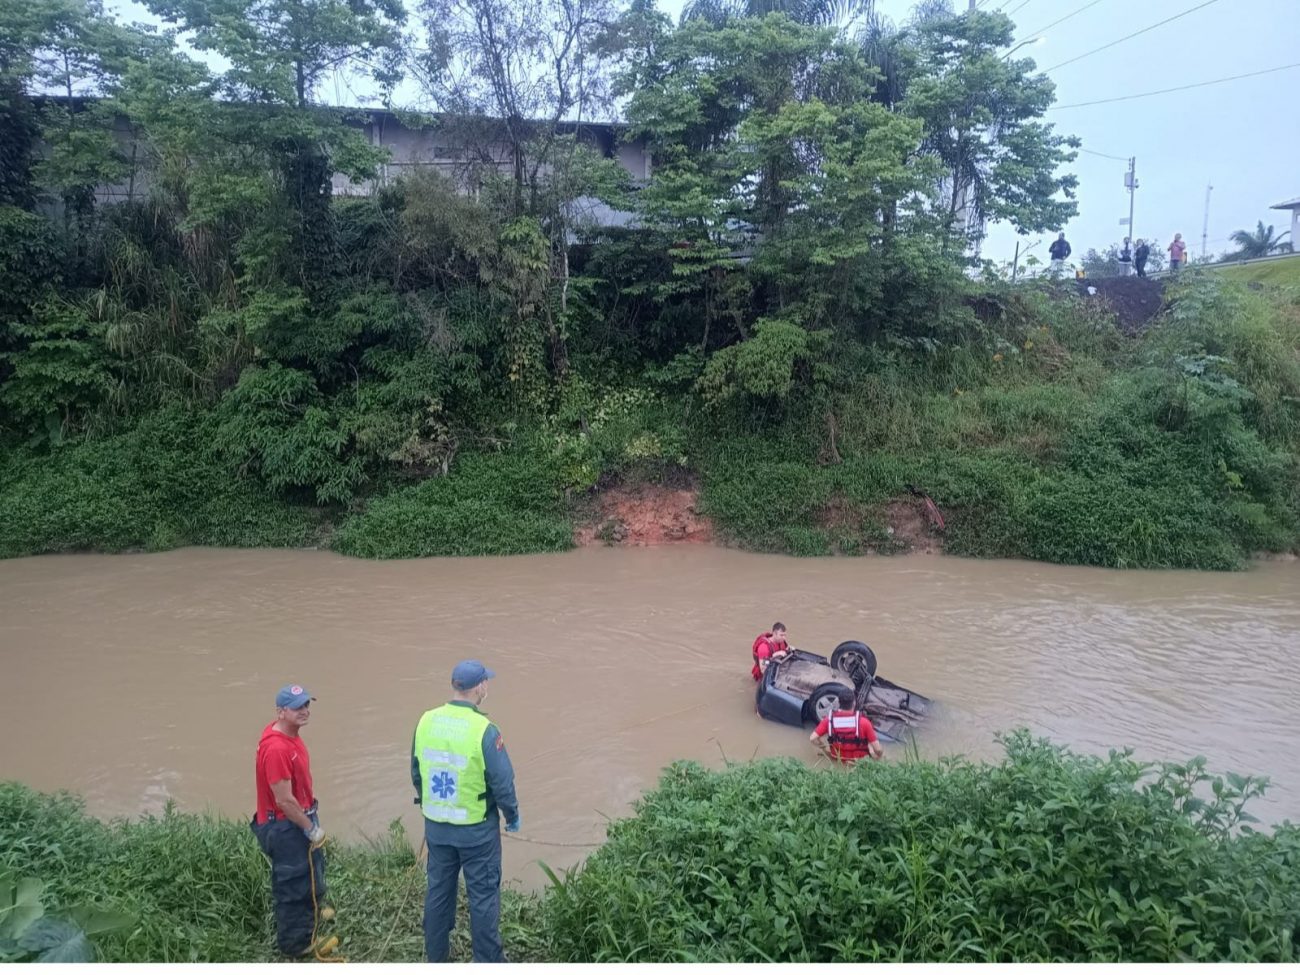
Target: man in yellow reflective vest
x=464, y=783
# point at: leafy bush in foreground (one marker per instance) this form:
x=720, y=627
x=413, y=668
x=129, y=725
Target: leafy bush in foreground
x=1047, y=856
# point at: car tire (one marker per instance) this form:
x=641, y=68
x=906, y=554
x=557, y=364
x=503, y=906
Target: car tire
x=849, y=653
x=829, y=697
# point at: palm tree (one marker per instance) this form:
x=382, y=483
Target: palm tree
x=1261, y=243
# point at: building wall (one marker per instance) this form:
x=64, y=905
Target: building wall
x=446, y=148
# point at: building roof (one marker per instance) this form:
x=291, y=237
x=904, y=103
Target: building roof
x=1288, y=205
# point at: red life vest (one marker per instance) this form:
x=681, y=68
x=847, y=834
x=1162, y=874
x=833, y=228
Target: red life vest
x=773, y=647
x=847, y=741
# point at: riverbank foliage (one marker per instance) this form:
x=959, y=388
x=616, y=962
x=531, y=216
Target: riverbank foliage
x=195, y=888
x=227, y=350
x=1045, y=856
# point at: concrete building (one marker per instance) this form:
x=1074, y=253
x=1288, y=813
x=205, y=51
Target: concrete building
x=1294, y=207
x=459, y=148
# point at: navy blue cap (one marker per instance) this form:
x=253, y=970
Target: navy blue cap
x=292, y=696
x=468, y=674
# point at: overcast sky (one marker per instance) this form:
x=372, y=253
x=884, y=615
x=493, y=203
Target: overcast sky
x=1242, y=136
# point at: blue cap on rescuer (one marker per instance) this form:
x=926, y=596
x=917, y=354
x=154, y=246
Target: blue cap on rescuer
x=468, y=674
x=292, y=696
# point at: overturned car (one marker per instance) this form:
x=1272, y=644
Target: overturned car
x=804, y=687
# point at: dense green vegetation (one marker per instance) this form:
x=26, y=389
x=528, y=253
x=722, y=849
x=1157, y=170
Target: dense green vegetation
x=1045, y=856
x=196, y=888
x=229, y=354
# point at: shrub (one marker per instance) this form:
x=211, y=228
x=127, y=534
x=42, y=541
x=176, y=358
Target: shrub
x=1047, y=856
x=487, y=505
x=155, y=486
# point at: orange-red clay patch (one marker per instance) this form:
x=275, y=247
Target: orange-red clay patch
x=645, y=514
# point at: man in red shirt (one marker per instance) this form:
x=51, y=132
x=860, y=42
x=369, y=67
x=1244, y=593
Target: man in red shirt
x=769, y=646
x=851, y=737
x=286, y=823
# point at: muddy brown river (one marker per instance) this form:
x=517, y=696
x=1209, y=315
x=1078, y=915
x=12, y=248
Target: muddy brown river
x=142, y=678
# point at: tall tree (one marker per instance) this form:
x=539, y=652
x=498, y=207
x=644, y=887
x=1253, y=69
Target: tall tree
x=279, y=52
x=982, y=114
x=767, y=145
x=517, y=70
x=518, y=81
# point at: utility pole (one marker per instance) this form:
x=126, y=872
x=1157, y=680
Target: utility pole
x=1205, y=224
x=1130, y=180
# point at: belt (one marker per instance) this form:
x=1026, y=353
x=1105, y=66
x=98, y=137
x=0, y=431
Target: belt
x=271, y=817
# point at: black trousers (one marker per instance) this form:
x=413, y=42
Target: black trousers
x=293, y=864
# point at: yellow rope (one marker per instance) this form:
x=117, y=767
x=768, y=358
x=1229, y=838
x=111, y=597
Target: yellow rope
x=319, y=952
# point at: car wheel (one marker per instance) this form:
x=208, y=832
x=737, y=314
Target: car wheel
x=827, y=698
x=851, y=655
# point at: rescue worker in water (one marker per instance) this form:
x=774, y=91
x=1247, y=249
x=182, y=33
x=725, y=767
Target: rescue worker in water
x=847, y=736
x=769, y=646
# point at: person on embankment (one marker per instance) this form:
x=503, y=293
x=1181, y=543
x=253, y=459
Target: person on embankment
x=769, y=646
x=287, y=823
x=464, y=781
x=847, y=736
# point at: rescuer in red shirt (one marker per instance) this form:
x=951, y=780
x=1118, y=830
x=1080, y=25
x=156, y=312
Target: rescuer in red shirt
x=286, y=823
x=850, y=736
x=769, y=646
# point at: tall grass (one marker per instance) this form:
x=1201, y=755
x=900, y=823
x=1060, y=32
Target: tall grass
x=198, y=889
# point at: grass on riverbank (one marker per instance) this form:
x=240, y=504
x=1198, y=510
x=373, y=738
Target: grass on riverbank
x=1282, y=273
x=1044, y=856
x=197, y=887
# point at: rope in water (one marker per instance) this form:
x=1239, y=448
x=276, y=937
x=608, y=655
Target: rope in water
x=529, y=839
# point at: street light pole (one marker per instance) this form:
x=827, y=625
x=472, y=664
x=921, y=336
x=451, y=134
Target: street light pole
x=1130, y=180
x=1205, y=224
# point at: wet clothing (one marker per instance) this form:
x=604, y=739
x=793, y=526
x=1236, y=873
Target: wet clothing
x=766, y=647
x=295, y=867
x=1059, y=250
x=280, y=757
x=469, y=846
x=851, y=734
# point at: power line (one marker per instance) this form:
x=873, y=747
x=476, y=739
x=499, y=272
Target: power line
x=1165, y=91
x=1016, y=7
x=1066, y=17
x=1093, y=152
x=1126, y=37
